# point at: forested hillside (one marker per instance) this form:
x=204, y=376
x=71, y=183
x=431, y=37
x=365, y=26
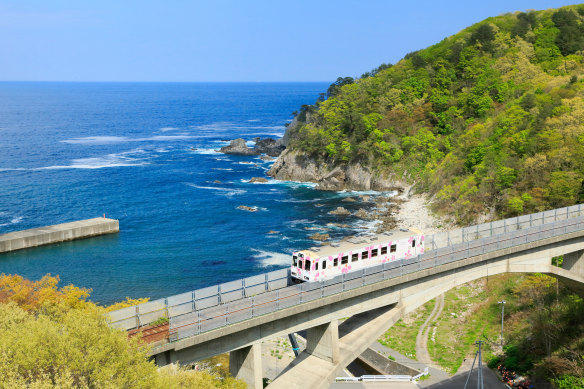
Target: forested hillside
x=489, y=120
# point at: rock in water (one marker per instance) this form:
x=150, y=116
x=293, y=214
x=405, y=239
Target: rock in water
x=339, y=211
x=258, y=179
x=269, y=146
x=246, y=208
x=238, y=147
x=319, y=236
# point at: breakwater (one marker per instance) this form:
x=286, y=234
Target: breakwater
x=57, y=233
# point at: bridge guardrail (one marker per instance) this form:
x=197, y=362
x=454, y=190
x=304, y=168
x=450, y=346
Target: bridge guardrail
x=192, y=312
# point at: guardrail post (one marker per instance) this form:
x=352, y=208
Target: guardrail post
x=194, y=304
x=252, y=304
x=219, y=300
x=321, y=289
x=343, y=282
x=267, y=285
x=226, y=314
x=277, y=299
x=138, y=321
x=166, y=307
x=199, y=322
x=468, y=249
x=363, y=277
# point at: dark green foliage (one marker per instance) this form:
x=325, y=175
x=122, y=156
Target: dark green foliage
x=571, y=36
x=484, y=35
x=335, y=87
x=525, y=22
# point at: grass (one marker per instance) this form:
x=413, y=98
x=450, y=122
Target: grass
x=402, y=335
x=471, y=313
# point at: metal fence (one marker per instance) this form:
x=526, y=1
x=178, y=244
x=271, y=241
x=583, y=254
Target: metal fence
x=209, y=308
x=200, y=299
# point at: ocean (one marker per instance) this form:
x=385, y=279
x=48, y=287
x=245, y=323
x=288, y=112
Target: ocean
x=144, y=153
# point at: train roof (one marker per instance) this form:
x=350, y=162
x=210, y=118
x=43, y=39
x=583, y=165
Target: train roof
x=359, y=242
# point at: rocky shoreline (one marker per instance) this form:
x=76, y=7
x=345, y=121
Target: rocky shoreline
x=404, y=210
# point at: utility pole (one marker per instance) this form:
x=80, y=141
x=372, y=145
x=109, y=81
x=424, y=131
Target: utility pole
x=502, y=318
x=480, y=384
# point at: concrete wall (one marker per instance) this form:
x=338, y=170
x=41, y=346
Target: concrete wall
x=57, y=233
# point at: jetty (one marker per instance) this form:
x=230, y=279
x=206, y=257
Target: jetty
x=41, y=236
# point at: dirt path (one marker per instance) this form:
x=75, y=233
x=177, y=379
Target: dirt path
x=422, y=338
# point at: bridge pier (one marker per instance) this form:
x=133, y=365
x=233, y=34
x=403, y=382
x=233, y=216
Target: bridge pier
x=574, y=262
x=323, y=341
x=246, y=364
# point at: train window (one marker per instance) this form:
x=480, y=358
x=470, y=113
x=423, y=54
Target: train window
x=414, y=243
x=307, y=265
x=316, y=266
x=324, y=264
x=344, y=260
x=384, y=250
x=300, y=264
x=373, y=253
x=364, y=255
x=336, y=262
x=393, y=248
x=294, y=260
x=354, y=257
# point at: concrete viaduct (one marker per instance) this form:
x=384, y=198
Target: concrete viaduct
x=374, y=307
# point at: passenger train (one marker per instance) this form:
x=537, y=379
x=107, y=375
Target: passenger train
x=325, y=262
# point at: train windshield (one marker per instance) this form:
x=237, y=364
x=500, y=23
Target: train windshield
x=307, y=265
x=294, y=260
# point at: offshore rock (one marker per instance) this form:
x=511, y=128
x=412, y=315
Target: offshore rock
x=269, y=146
x=258, y=179
x=246, y=208
x=319, y=237
x=339, y=211
x=296, y=166
x=238, y=147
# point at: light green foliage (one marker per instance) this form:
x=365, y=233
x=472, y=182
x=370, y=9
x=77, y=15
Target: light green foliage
x=52, y=337
x=480, y=119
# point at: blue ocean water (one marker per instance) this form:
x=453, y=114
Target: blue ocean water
x=144, y=153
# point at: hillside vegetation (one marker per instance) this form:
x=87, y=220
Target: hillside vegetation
x=489, y=120
x=53, y=337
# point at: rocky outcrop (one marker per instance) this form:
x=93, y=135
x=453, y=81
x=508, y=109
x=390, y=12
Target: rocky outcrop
x=246, y=208
x=269, y=146
x=258, y=179
x=339, y=211
x=319, y=236
x=295, y=166
x=238, y=147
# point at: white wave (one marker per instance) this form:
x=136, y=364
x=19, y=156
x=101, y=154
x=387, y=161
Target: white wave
x=100, y=140
x=97, y=140
x=126, y=158
x=272, y=258
x=293, y=184
x=162, y=150
x=295, y=223
x=254, y=120
x=226, y=191
x=166, y=129
x=227, y=169
x=14, y=220
x=205, y=151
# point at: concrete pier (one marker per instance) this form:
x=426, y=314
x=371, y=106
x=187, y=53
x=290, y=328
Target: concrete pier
x=58, y=233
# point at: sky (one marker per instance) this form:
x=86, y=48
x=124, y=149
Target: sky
x=225, y=40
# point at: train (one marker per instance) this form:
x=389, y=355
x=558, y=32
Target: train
x=356, y=253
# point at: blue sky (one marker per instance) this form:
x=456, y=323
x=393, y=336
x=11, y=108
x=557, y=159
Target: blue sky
x=221, y=40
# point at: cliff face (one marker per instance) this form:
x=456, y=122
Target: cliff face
x=296, y=166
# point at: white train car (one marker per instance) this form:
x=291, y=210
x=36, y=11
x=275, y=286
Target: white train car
x=328, y=261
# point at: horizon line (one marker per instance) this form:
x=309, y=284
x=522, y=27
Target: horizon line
x=167, y=82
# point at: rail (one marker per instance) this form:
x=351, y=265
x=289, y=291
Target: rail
x=205, y=309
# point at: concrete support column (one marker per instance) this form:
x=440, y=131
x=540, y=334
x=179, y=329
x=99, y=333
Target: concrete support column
x=574, y=262
x=246, y=364
x=323, y=341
